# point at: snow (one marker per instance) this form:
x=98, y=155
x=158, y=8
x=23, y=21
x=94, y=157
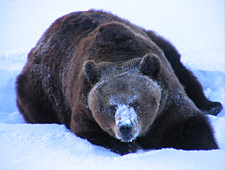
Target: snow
x=126, y=116
x=196, y=28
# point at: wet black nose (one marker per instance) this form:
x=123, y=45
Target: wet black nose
x=125, y=129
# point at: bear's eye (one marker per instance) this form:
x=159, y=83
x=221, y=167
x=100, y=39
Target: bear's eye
x=153, y=101
x=112, y=110
x=135, y=104
x=102, y=109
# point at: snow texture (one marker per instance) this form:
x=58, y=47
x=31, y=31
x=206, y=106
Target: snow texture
x=126, y=116
x=196, y=28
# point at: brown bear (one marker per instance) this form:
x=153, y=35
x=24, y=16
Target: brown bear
x=116, y=85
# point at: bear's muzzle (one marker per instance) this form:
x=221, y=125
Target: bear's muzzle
x=126, y=123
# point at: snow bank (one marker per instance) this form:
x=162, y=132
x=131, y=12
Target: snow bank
x=52, y=146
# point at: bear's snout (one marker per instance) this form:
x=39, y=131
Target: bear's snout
x=126, y=132
x=126, y=123
x=125, y=129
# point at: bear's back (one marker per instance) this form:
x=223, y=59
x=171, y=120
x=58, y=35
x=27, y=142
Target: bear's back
x=65, y=34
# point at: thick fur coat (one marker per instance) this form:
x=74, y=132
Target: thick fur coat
x=115, y=84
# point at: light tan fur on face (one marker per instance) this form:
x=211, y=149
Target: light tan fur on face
x=132, y=90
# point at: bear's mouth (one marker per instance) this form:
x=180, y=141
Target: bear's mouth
x=126, y=121
x=126, y=133
x=127, y=138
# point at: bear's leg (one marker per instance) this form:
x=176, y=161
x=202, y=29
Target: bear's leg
x=194, y=133
x=194, y=90
x=186, y=132
x=94, y=134
x=190, y=83
x=114, y=145
x=31, y=101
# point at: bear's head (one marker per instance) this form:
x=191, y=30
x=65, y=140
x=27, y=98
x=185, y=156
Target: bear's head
x=125, y=98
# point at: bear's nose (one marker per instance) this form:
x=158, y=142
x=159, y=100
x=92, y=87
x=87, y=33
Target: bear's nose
x=125, y=129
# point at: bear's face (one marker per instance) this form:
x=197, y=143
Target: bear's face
x=125, y=100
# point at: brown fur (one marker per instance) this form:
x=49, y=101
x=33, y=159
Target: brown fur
x=86, y=60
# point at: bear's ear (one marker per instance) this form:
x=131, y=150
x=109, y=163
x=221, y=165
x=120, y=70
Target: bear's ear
x=91, y=70
x=150, y=65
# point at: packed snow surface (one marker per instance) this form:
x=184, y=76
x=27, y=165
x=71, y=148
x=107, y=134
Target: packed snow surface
x=196, y=28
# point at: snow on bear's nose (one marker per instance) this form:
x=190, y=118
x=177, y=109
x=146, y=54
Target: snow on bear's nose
x=126, y=123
